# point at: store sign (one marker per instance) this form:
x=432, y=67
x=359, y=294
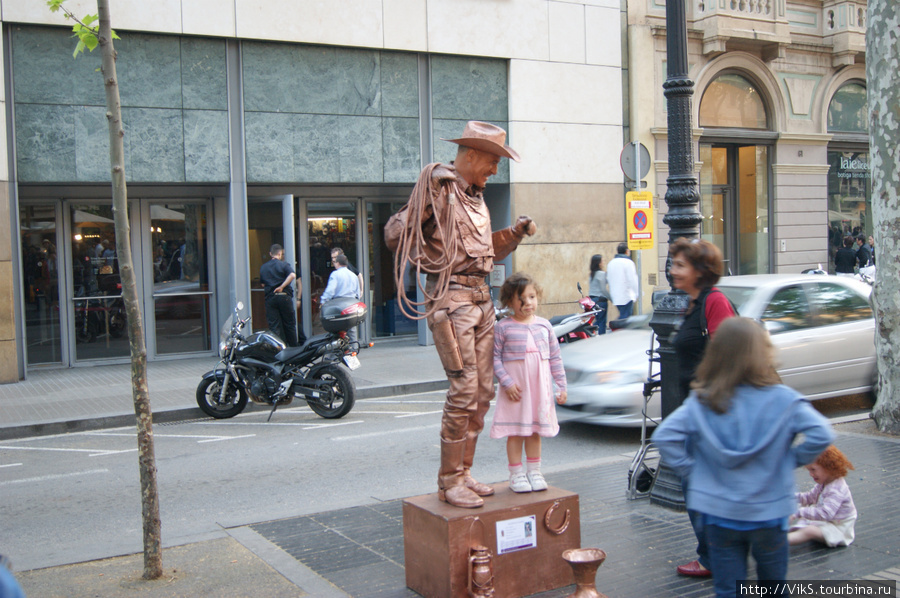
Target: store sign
x=852, y=168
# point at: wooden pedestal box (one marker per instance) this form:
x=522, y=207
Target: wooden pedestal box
x=534, y=529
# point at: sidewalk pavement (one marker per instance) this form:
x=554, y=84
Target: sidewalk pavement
x=359, y=551
x=55, y=401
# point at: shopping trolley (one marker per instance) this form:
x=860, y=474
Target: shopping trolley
x=645, y=464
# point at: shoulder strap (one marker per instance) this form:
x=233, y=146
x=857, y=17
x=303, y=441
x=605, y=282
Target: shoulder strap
x=704, y=327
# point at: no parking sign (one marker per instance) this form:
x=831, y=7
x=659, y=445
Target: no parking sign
x=639, y=219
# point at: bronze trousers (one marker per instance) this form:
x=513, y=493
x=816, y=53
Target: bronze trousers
x=471, y=391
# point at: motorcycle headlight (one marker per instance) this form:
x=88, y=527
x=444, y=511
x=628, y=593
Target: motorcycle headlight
x=223, y=348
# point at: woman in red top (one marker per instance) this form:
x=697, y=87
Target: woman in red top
x=696, y=266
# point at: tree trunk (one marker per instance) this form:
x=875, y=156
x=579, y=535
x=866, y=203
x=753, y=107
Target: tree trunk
x=883, y=85
x=140, y=394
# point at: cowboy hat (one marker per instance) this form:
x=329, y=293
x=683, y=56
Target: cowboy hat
x=487, y=138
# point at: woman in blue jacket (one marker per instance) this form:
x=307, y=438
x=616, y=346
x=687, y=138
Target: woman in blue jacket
x=732, y=438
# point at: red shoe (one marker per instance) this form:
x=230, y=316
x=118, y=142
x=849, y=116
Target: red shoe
x=694, y=569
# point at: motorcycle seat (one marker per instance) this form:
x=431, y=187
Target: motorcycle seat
x=292, y=353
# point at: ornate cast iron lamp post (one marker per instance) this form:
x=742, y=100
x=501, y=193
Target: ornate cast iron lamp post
x=683, y=219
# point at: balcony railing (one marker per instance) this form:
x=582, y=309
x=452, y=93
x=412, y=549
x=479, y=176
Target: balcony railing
x=844, y=28
x=746, y=23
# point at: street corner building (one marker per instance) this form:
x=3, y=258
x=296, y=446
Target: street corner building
x=306, y=124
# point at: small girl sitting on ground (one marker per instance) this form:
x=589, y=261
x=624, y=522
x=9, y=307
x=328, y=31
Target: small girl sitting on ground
x=826, y=512
x=526, y=362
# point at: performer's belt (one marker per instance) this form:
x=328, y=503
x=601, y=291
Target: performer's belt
x=467, y=294
x=466, y=281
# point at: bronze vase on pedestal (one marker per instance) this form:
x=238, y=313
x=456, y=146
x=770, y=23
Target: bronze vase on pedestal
x=584, y=563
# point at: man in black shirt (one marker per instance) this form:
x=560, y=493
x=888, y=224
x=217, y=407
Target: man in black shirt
x=276, y=275
x=863, y=254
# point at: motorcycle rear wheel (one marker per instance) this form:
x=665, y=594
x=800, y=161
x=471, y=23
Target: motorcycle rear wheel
x=343, y=390
x=207, y=399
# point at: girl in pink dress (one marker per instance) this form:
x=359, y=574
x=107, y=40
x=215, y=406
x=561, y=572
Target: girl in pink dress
x=826, y=512
x=527, y=363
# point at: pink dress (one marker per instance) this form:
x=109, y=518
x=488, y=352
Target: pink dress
x=536, y=411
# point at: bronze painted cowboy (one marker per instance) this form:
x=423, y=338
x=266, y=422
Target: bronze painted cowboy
x=444, y=232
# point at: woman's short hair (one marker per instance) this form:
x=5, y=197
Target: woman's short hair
x=515, y=285
x=741, y=352
x=848, y=241
x=596, y=263
x=704, y=256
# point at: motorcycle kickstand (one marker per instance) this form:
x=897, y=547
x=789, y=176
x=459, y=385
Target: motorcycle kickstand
x=272, y=412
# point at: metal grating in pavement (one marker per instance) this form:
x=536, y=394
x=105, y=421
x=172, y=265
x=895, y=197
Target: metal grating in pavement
x=360, y=549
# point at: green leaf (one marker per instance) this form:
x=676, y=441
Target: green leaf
x=78, y=49
x=89, y=19
x=54, y=5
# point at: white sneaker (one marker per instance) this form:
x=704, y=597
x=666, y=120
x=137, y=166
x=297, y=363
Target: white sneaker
x=536, y=481
x=518, y=482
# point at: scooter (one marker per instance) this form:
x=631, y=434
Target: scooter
x=575, y=327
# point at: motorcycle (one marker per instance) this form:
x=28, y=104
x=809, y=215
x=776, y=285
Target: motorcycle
x=260, y=366
x=574, y=327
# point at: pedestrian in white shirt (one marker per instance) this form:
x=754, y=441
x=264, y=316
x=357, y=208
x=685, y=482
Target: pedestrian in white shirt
x=621, y=276
x=342, y=283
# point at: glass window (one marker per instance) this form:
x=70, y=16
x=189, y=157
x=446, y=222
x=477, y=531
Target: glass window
x=847, y=112
x=732, y=101
x=40, y=280
x=787, y=310
x=849, y=201
x=835, y=304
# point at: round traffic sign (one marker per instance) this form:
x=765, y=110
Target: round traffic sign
x=640, y=220
x=627, y=161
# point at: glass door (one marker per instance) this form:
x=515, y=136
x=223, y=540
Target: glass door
x=734, y=205
x=97, y=311
x=269, y=221
x=181, y=277
x=330, y=226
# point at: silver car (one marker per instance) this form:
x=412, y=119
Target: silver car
x=822, y=326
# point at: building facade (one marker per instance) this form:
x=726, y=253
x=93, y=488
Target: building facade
x=293, y=122
x=779, y=111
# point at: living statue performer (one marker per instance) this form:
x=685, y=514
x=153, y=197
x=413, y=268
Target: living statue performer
x=444, y=232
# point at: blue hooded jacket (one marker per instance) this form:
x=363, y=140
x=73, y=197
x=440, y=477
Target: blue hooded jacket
x=740, y=464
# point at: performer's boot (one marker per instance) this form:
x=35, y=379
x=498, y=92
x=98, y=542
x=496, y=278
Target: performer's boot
x=469, y=457
x=451, y=484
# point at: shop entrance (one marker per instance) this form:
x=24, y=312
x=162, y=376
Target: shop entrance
x=73, y=307
x=329, y=226
x=734, y=204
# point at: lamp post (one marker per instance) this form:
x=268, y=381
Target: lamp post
x=683, y=220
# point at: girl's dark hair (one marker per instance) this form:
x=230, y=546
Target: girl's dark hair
x=515, y=285
x=848, y=241
x=704, y=256
x=834, y=462
x=739, y=353
x=596, y=263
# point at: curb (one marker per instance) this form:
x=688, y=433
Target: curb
x=189, y=413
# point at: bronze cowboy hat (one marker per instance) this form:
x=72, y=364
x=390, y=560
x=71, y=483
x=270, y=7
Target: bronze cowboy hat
x=487, y=138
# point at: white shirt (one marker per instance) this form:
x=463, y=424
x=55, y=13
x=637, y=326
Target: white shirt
x=621, y=276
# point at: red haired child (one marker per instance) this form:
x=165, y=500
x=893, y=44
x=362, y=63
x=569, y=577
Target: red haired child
x=826, y=512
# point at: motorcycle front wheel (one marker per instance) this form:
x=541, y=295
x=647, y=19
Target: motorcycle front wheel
x=208, y=399
x=343, y=393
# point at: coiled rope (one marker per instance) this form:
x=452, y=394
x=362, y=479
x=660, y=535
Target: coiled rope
x=412, y=243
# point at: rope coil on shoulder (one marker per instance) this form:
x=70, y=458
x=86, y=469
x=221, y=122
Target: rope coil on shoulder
x=412, y=243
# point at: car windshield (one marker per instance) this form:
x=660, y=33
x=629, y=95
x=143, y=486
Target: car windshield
x=737, y=295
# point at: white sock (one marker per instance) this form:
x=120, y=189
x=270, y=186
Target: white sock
x=533, y=464
x=515, y=468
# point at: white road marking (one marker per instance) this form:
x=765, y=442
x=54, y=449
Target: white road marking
x=295, y=424
x=11, y=465
x=94, y=452
x=46, y=478
x=205, y=437
x=418, y=414
x=386, y=432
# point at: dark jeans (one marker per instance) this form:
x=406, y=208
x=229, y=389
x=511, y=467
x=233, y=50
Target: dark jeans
x=728, y=550
x=601, y=303
x=625, y=310
x=282, y=318
x=697, y=523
